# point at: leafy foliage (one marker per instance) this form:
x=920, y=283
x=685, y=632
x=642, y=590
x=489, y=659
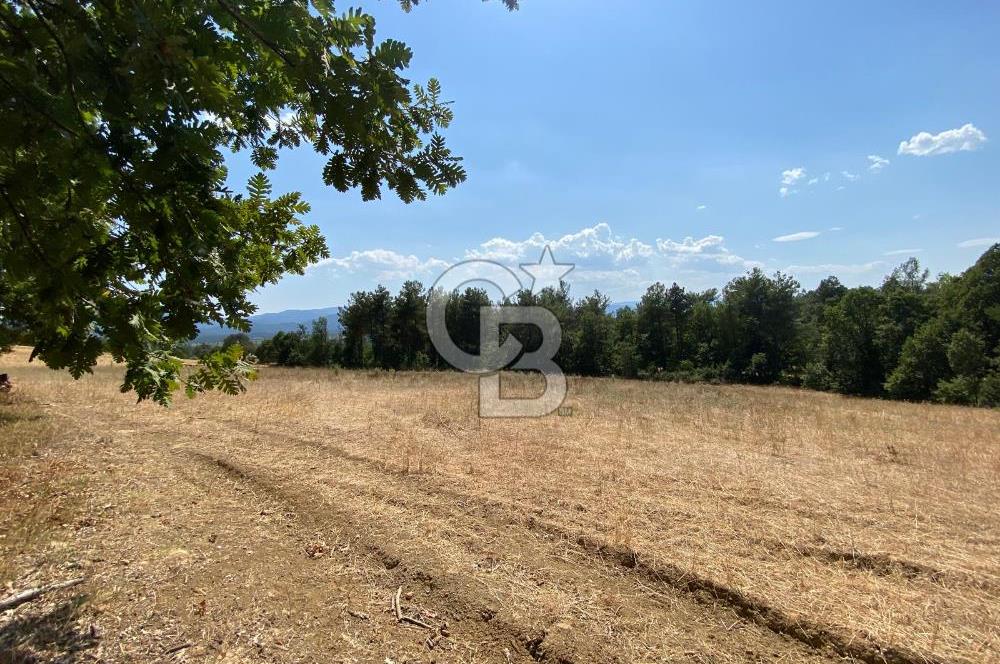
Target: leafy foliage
x=117, y=229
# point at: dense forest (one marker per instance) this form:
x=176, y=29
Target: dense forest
x=910, y=338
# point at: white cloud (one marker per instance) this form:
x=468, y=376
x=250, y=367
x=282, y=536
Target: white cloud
x=902, y=252
x=286, y=117
x=598, y=247
x=621, y=267
x=965, y=138
x=701, y=207
x=595, y=241
x=826, y=176
x=979, y=242
x=706, y=250
x=836, y=228
x=792, y=175
x=812, y=181
x=385, y=263
x=877, y=163
x=851, y=177
x=835, y=268
x=796, y=237
x=688, y=245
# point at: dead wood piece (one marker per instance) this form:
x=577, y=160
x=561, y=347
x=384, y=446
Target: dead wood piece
x=177, y=648
x=360, y=615
x=20, y=598
x=415, y=621
x=396, y=606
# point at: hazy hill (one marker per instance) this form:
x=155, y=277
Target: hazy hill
x=266, y=325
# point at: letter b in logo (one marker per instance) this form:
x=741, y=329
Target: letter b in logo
x=494, y=355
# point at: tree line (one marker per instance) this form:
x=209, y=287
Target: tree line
x=909, y=338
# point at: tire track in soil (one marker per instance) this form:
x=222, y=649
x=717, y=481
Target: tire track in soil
x=880, y=564
x=537, y=643
x=703, y=591
x=700, y=589
x=501, y=516
x=463, y=602
x=465, y=605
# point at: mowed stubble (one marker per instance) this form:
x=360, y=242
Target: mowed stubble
x=657, y=522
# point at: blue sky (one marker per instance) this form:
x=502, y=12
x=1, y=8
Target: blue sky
x=648, y=140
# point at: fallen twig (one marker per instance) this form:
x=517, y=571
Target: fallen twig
x=20, y=598
x=360, y=615
x=415, y=621
x=397, y=606
x=177, y=648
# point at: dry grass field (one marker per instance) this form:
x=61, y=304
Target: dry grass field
x=656, y=523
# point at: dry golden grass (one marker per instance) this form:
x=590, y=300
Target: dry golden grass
x=658, y=522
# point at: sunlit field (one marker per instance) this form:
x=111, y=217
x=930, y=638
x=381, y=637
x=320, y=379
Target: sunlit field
x=654, y=522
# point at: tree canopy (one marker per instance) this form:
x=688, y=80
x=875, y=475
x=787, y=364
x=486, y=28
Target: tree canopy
x=118, y=232
x=907, y=339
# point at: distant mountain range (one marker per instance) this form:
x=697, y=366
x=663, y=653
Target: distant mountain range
x=615, y=306
x=265, y=326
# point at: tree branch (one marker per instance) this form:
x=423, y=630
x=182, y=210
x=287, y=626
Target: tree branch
x=20, y=598
x=254, y=31
x=19, y=216
x=70, y=76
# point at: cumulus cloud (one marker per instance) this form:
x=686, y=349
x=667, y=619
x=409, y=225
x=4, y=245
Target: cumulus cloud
x=616, y=265
x=689, y=245
x=979, y=242
x=876, y=163
x=966, y=138
x=598, y=246
x=703, y=253
x=790, y=177
x=594, y=241
x=796, y=237
x=385, y=263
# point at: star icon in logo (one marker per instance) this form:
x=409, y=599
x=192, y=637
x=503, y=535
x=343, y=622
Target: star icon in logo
x=546, y=273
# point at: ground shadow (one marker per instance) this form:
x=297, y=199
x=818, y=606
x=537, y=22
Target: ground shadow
x=56, y=635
